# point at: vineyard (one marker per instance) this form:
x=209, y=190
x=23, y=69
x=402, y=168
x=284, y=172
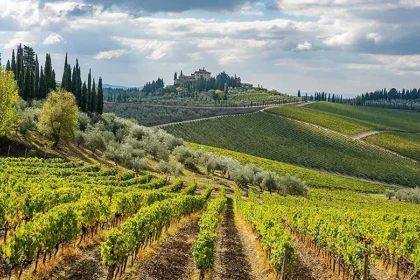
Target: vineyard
x=272, y=137
x=406, y=144
x=356, y=237
x=352, y=119
x=50, y=206
x=315, y=179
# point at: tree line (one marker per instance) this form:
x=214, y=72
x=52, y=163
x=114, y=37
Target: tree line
x=120, y=94
x=153, y=86
x=35, y=82
x=214, y=83
x=384, y=94
x=323, y=96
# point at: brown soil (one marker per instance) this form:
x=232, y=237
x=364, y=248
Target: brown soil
x=172, y=259
x=308, y=266
x=231, y=260
x=86, y=265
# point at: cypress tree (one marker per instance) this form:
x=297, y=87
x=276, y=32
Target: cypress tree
x=8, y=68
x=27, y=85
x=89, y=91
x=19, y=61
x=21, y=77
x=64, y=78
x=42, y=87
x=84, y=97
x=48, y=74
x=93, y=105
x=33, y=95
x=100, y=97
x=14, y=64
x=53, y=81
x=74, y=83
x=36, y=78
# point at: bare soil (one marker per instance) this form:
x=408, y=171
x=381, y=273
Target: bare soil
x=231, y=260
x=171, y=260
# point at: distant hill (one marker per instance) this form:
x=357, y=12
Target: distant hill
x=115, y=86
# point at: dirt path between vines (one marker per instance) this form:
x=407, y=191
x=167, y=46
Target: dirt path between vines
x=257, y=109
x=172, y=259
x=231, y=261
x=368, y=133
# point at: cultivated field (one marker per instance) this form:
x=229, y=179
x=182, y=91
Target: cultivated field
x=352, y=119
x=273, y=137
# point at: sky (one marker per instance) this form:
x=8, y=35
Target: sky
x=340, y=46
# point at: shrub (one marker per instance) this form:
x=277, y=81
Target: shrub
x=291, y=185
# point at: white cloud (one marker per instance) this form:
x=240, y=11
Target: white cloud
x=306, y=46
x=157, y=49
x=53, y=38
x=109, y=54
x=21, y=37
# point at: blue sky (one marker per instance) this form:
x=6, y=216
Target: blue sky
x=341, y=46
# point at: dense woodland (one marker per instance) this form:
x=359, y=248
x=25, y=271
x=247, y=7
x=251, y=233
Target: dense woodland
x=35, y=81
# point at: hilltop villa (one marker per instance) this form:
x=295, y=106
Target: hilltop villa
x=201, y=73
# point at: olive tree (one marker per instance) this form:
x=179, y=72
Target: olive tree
x=59, y=116
x=8, y=102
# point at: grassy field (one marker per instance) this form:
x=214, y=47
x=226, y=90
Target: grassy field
x=352, y=119
x=407, y=144
x=269, y=136
x=315, y=179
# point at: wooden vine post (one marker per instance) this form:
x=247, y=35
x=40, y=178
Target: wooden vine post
x=284, y=265
x=366, y=267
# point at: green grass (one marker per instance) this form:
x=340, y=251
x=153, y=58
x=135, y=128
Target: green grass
x=272, y=137
x=406, y=144
x=352, y=119
x=315, y=179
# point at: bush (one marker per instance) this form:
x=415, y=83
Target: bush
x=291, y=185
x=94, y=140
x=186, y=156
x=389, y=194
x=29, y=119
x=138, y=164
x=79, y=138
x=84, y=121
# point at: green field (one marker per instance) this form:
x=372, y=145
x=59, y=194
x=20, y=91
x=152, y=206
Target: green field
x=272, y=137
x=352, y=119
x=406, y=144
x=313, y=178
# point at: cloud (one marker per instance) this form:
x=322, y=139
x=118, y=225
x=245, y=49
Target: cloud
x=53, y=38
x=20, y=37
x=306, y=46
x=109, y=54
x=157, y=49
x=140, y=7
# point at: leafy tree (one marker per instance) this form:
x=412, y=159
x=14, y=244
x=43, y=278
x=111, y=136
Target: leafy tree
x=59, y=115
x=8, y=100
x=94, y=140
x=389, y=194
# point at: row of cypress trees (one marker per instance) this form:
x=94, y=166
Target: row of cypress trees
x=35, y=82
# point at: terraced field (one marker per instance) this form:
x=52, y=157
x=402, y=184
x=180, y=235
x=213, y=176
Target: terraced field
x=272, y=137
x=352, y=119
